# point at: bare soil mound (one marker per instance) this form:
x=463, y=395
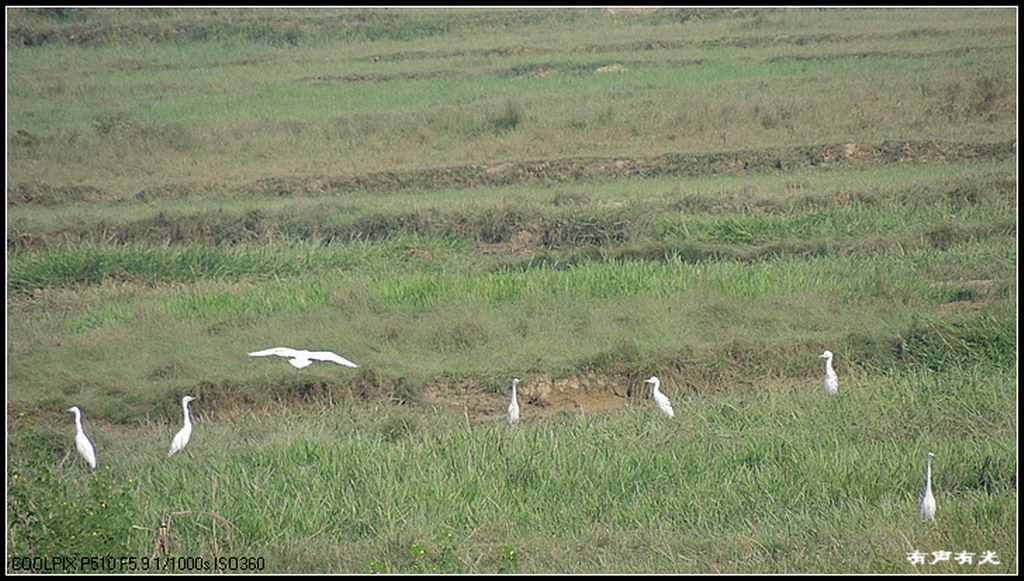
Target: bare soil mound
x=542, y=396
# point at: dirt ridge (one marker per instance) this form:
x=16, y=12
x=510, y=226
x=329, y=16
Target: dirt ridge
x=571, y=169
x=562, y=170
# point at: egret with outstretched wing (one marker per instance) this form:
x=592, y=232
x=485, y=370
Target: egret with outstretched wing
x=300, y=358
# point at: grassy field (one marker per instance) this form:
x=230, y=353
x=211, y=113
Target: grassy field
x=453, y=198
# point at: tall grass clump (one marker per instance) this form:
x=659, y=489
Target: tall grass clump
x=68, y=265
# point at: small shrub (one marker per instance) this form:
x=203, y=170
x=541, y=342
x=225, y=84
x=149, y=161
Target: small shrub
x=507, y=121
x=458, y=335
x=578, y=198
x=55, y=512
x=113, y=124
x=398, y=427
x=508, y=560
x=439, y=557
x=946, y=234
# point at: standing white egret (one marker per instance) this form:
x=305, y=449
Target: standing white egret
x=181, y=438
x=82, y=442
x=927, y=508
x=300, y=358
x=513, y=407
x=659, y=398
x=831, y=381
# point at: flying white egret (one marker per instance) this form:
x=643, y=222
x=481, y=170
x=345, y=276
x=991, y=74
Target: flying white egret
x=659, y=398
x=181, y=438
x=513, y=407
x=300, y=358
x=927, y=508
x=831, y=381
x=82, y=442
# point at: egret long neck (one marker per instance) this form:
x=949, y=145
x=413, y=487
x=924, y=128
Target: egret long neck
x=927, y=475
x=78, y=421
x=188, y=421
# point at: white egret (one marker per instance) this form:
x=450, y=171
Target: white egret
x=181, y=438
x=659, y=398
x=300, y=358
x=513, y=407
x=82, y=442
x=927, y=508
x=831, y=381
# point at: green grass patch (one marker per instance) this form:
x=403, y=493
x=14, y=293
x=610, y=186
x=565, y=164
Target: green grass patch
x=579, y=198
x=405, y=494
